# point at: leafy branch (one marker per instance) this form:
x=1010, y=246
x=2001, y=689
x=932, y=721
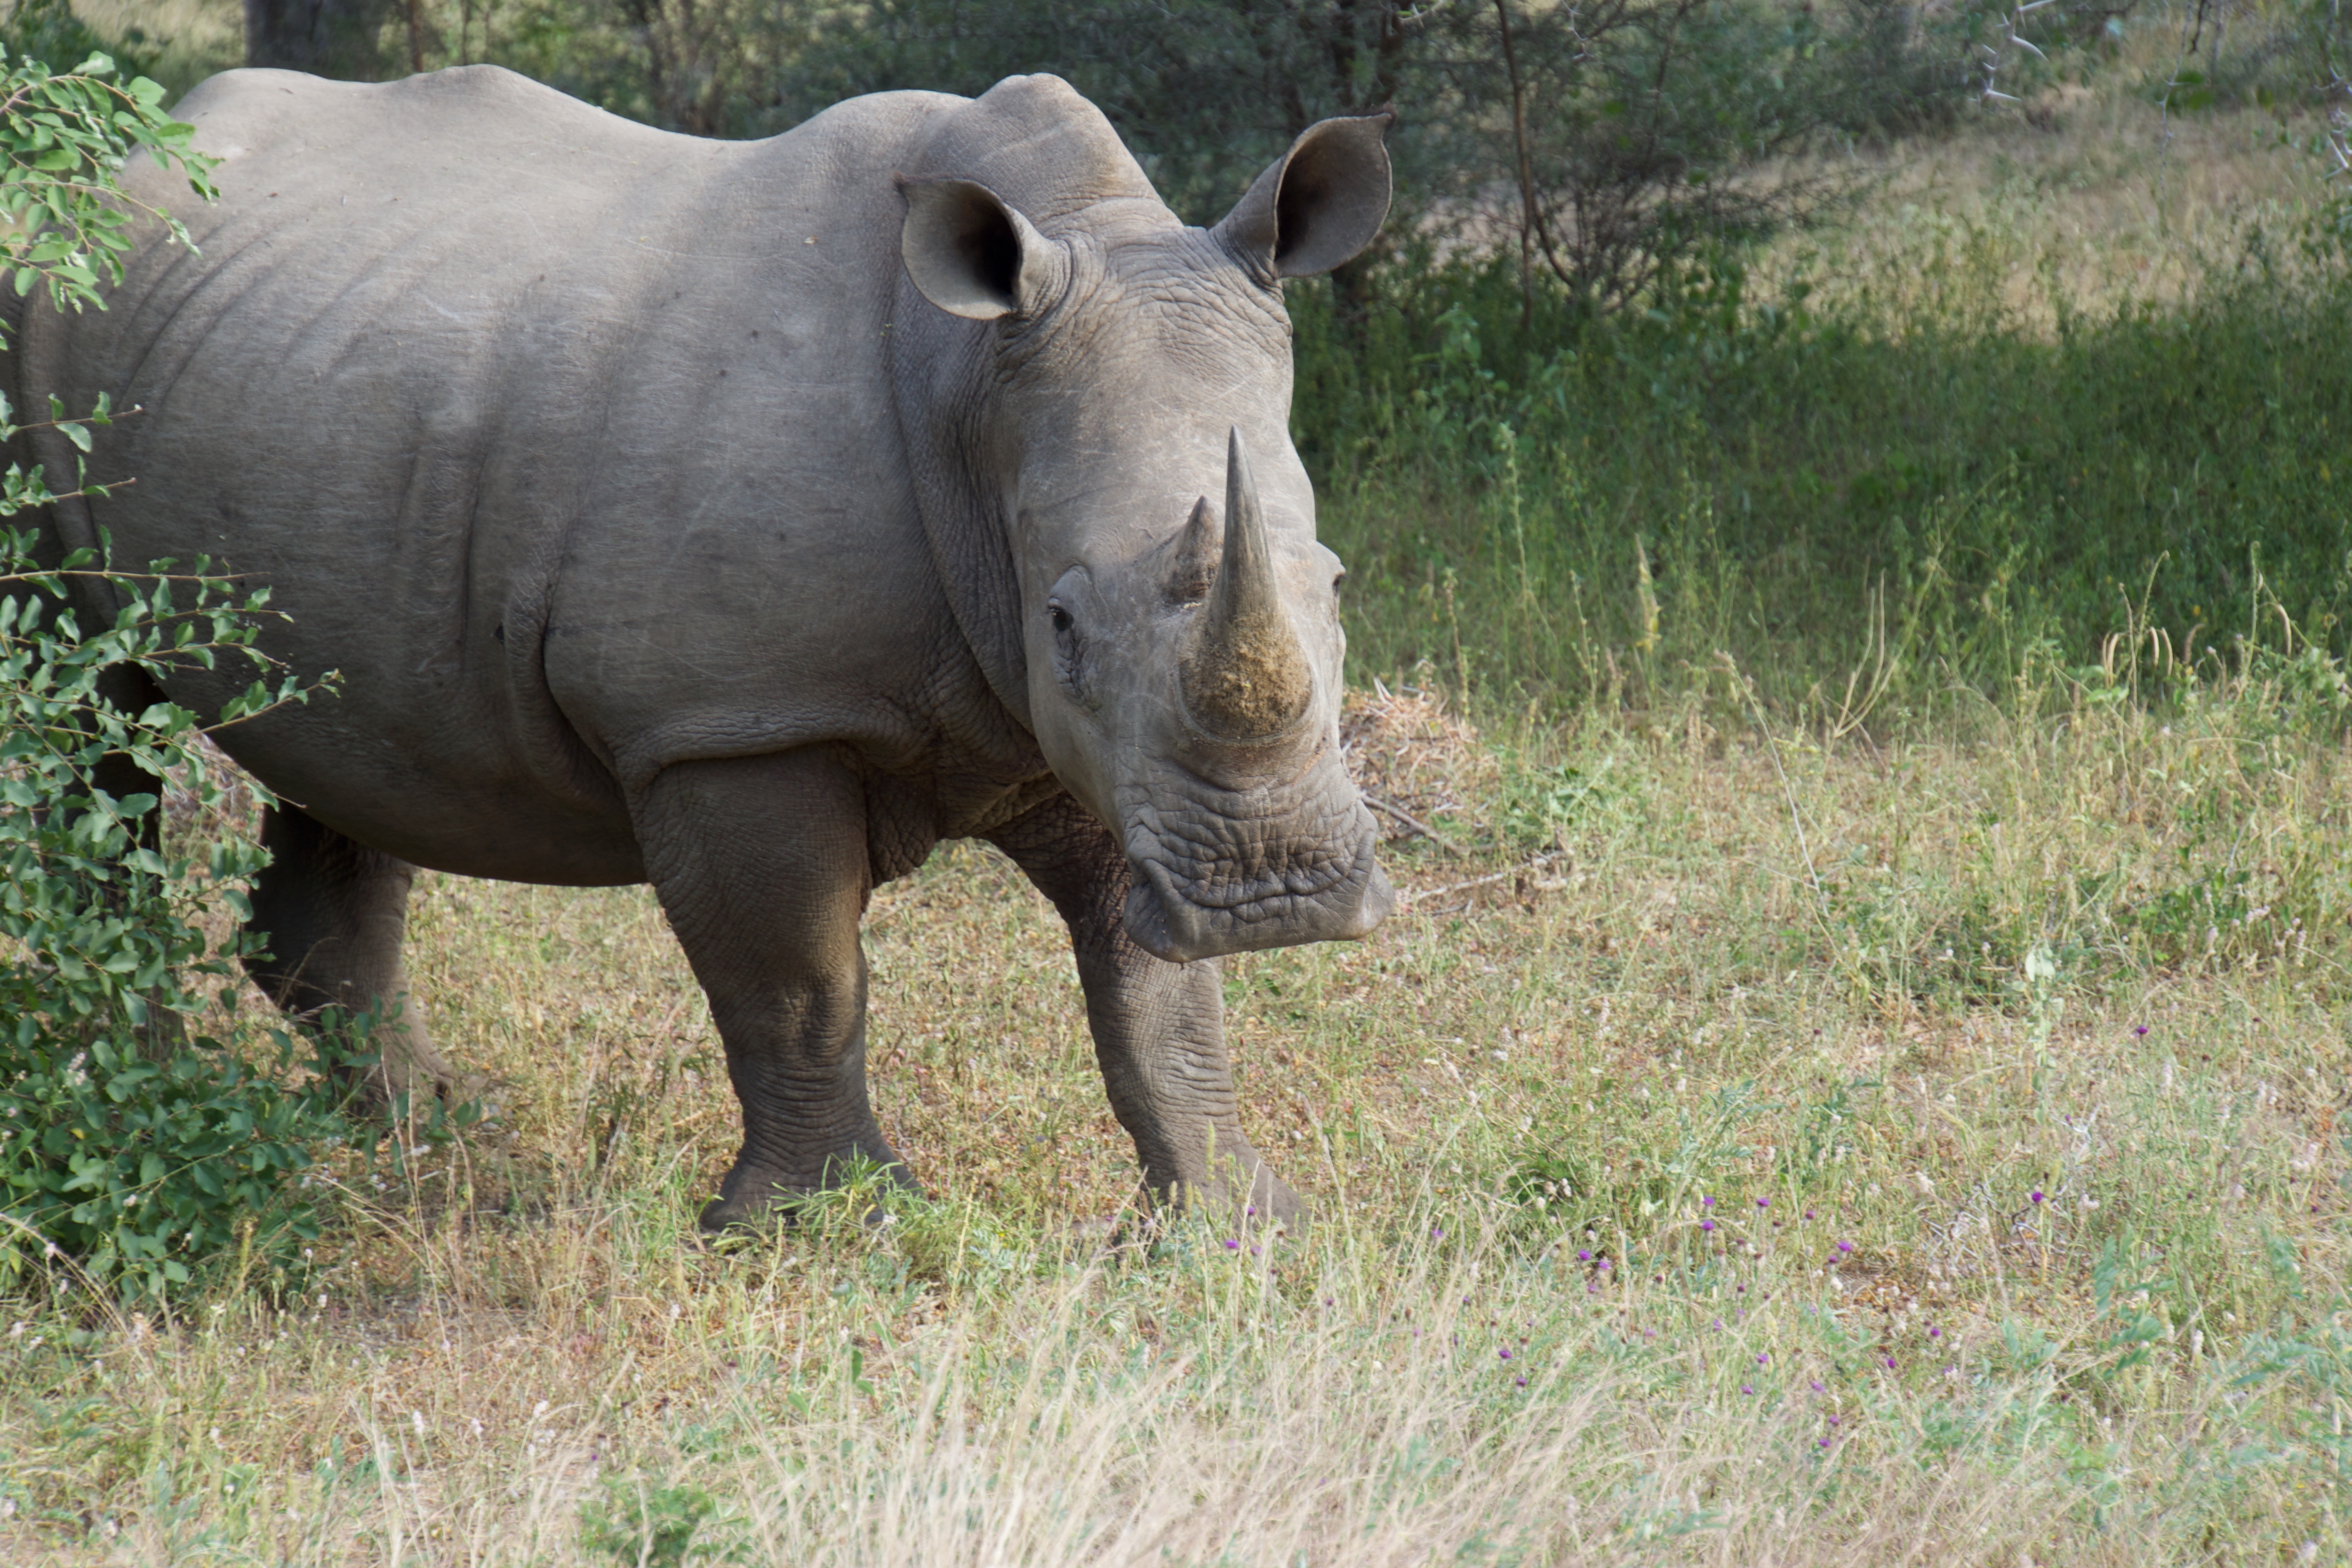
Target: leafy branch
x=63, y=142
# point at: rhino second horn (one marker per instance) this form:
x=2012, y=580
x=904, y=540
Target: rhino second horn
x=1244, y=675
x=1197, y=549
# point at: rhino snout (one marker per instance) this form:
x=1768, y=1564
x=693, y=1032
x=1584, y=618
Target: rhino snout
x=1207, y=883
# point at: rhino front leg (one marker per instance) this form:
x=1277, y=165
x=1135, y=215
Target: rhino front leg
x=1159, y=1028
x=762, y=867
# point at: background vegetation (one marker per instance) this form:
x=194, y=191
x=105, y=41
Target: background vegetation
x=1851, y=573
x=1620, y=326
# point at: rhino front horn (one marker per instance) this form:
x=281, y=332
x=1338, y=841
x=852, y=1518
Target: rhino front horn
x=1244, y=673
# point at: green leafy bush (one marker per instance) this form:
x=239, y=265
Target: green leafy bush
x=124, y=1146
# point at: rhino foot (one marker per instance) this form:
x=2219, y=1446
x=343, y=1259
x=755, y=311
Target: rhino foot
x=1263, y=1201
x=752, y=1198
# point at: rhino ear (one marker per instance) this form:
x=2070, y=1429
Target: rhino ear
x=1317, y=205
x=968, y=251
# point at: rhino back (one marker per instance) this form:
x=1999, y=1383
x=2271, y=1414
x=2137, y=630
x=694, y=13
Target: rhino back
x=567, y=441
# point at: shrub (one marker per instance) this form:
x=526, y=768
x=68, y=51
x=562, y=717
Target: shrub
x=124, y=1146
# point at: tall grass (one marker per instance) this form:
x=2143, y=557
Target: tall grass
x=1557, y=511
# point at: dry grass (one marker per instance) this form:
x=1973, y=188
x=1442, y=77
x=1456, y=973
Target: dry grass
x=2084, y=199
x=515, y=1352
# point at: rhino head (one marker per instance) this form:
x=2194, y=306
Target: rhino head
x=1130, y=542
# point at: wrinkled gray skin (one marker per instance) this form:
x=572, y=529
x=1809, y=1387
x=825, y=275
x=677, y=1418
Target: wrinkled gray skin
x=746, y=518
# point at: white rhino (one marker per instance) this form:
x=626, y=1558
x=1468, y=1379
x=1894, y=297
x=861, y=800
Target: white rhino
x=746, y=518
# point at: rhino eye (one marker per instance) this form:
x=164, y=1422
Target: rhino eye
x=1069, y=653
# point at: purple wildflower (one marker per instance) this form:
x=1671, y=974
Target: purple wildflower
x=1583, y=1255
x=1706, y=1225
x=2036, y=1195
x=1763, y=1202
x=1935, y=1333
x=1763, y=1358
x=1505, y=1353
x=1706, y=1203
x=1817, y=1386
x=1845, y=1246
x=1808, y=1214
x=1232, y=1247
x=2141, y=1030
x=1747, y=1388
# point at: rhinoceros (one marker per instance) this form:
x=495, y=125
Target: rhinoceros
x=745, y=519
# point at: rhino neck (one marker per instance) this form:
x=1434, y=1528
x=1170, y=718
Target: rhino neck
x=940, y=377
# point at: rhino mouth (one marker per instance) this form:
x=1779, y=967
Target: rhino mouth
x=1208, y=883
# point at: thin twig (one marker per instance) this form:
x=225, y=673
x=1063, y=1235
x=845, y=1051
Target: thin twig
x=1416, y=824
x=1546, y=859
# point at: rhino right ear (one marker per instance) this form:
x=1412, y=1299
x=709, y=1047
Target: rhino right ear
x=968, y=252
x=1317, y=205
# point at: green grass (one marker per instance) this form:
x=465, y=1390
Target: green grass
x=1917, y=419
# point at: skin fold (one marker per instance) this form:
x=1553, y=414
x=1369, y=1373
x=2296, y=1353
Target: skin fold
x=746, y=518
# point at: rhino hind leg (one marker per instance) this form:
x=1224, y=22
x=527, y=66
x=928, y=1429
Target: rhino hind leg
x=762, y=867
x=333, y=914
x=1159, y=1029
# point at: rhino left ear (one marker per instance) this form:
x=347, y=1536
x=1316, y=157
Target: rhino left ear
x=1317, y=205
x=968, y=252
